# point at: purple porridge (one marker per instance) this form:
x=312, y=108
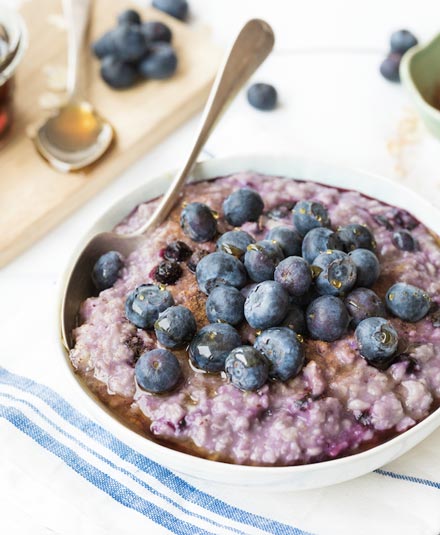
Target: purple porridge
x=336, y=406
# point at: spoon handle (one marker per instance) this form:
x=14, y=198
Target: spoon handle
x=250, y=49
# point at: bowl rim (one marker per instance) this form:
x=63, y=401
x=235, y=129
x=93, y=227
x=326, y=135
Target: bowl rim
x=209, y=466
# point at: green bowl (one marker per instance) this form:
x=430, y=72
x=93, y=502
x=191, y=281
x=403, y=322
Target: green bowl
x=420, y=74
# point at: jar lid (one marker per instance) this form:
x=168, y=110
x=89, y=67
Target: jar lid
x=13, y=42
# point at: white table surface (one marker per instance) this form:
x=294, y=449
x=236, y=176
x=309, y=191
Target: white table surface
x=333, y=105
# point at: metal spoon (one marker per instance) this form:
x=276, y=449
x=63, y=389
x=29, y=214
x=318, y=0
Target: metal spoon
x=250, y=49
x=76, y=135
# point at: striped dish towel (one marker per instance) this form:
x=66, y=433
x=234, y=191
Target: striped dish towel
x=52, y=449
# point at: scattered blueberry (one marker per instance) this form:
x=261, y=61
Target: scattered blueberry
x=404, y=219
x=377, y=340
x=327, y=318
x=211, y=345
x=383, y=221
x=145, y=303
x=281, y=211
x=262, y=96
x=176, y=8
x=261, y=259
x=355, y=236
x=288, y=239
x=389, y=68
x=407, y=302
x=156, y=31
x=118, y=74
x=337, y=276
x=246, y=368
x=157, y=371
x=175, y=327
x=160, y=62
x=195, y=259
x=105, y=45
x=266, y=305
x=225, y=304
x=319, y=240
x=243, y=205
x=198, y=222
x=283, y=350
x=363, y=303
x=167, y=272
x=177, y=251
x=367, y=267
x=403, y=240
x=129, y=16
x=216, y=269
x=308, y=215
x=130, y=43
x=234, y=242
x=402, y=40
x=295, y=319
x=294, y=274
x=106, y=269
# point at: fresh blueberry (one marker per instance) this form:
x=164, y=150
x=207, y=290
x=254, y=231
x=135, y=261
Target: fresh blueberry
x=295, y=319
x=216, y=269
x=211, y=345
x=407, y=302
x=225, y=304
x=283, y=350
x=145, y=303
x=288, y=239
x=157, y=371
x=389, y=68
x=156, y=31
x=176, y=8
x=363, y=303
x=175, y=327
x=327, y=318
x=177, y=251
x=337, y=276
x=355, y=236
x=402, y=40
x=294, y=274
x=129, y=16
x=377, y=340
x=367, y=267
x=159, y=63
x=198, y=222
x=167, y=272
x=403, y=240
x=246, y=368
x=246, y=290
x=195, y=259
x=106, y=270
x=243, y=205
x=234, y=242
x=117, y=73
x=262, y=96
x=261, y=259
x=130, y=43
x=308, y=215
x=319, y=240
x=266, y=305
x=105, y=45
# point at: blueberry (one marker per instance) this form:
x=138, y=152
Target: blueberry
x=295, y=319
x=308, y=215
x=105, y=45
x=243, y=205
x=319, y=240
x=130, y=43
x=377, y=340
x=288, y=239
x=129, y=16
x=225, y=304
x=145, y=303
x=177, y=251
x=261, y=259
x=355, y=236
x=118, y=74
x=338, y=275
x=403, y=240
x=327, y=318
x=156, y=31
x=195, y=259
x=198, y=222
x=280, y=211
x=106, y=270
x=389, y=68
x=367, y=267
x=176, y=8
x=283, y=350
x=262, y=96
x=167, y=272
x=402, y=40
x=266, y=305
x=234, y=242
x=160, y=62
x=363, y=303
x=175, y=327
x=211, y=345
x=158, y=371
x=246, y=368
x=304, y=300
x=407, y=302
x=294, y=274
x=216, y=269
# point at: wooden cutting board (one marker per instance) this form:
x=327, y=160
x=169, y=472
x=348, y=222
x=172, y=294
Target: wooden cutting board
x=33, y=196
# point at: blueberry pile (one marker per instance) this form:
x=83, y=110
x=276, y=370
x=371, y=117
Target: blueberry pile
x=304, y=279
x=400, y=42
x=134, y=51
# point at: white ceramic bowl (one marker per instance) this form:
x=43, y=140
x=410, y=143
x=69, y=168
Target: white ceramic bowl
x=271, y=478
